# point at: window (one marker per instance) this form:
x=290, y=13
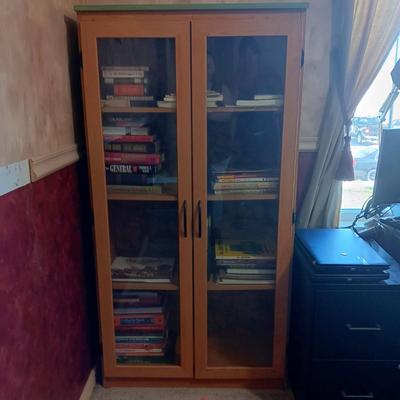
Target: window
x=365, y=136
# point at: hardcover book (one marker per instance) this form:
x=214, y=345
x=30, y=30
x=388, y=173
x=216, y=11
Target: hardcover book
x=132, y=169
x=129, y=90
x=133, y=158
x=142, y=269
x=125, y=130
x=132, y=147
x=129, y=138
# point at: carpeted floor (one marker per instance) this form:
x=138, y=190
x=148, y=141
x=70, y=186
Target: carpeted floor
x=188, y=394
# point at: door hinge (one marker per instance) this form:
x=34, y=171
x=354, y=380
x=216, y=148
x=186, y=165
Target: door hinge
x=302, y=58
x=294, y=216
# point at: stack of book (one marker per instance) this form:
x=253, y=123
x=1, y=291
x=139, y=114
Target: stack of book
x=133, y=157
x=140, y=323
x=262, y=100
x=127, y=86
x=142, y=269
x=245, y=182
x=169, y=101
x=214, y=99
x=245, y=262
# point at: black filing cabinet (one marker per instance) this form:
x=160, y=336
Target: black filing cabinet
x=344, y=337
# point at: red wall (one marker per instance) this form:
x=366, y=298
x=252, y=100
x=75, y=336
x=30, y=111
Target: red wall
x=48, y=319
x=46, y=339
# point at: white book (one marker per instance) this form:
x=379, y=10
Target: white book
x=250, y=271
x=141, y=98
x=166, y=104
x=245, y=281
x=115, y=103
x=259, y=103
x=268, y=97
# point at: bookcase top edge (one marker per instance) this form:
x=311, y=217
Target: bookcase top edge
x=189, y=7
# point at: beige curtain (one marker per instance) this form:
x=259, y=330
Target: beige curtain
x=363, y=32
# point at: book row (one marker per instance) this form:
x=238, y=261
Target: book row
x=241, y=181
x=245, y=262
x=141, y=326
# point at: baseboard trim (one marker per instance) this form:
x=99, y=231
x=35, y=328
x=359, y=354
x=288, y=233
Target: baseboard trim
x=89, y=386
x=53, y=162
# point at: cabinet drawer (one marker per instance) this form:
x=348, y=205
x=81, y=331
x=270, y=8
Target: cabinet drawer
x=351, y=380
x=357, y=325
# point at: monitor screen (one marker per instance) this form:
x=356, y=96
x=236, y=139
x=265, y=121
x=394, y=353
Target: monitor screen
x=387, y=179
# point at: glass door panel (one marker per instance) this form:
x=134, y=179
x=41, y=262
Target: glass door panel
x=137, y=86
x=139, y=131
x=245, y=97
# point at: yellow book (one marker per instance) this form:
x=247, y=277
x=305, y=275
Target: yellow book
x=244, y=249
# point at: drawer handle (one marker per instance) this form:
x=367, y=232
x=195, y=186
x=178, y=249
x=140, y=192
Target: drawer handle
x=369, y=395
x=375, y=328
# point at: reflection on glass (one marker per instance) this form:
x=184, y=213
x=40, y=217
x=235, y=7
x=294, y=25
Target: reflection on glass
x=245, y=97
x=144, y=245
x=240, y=328
x=137, y=86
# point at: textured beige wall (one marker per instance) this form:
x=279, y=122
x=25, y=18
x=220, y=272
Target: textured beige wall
x=317, y=49
x=35, y=99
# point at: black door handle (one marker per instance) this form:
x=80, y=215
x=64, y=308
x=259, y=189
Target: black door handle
x=184, y=207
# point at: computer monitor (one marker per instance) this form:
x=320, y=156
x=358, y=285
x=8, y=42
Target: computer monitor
x=387, y=178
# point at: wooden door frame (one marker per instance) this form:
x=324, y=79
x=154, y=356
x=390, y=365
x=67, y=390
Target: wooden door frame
x=290, y=24
x=144, y=25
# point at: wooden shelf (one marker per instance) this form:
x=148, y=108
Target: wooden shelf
x=144, y=286
x=239, y=197
x=232, y=109
x=138, y=110
x=132, y=196
x=217, y=287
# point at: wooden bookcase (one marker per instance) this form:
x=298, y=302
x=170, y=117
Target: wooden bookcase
x=208, y=207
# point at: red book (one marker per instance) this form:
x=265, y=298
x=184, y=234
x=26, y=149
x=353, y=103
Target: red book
x=129, y=138
x=129, y=90
x=133, y=158
x=132, y=329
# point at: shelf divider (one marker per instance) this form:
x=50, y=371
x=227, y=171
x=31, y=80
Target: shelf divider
x=131, y=196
